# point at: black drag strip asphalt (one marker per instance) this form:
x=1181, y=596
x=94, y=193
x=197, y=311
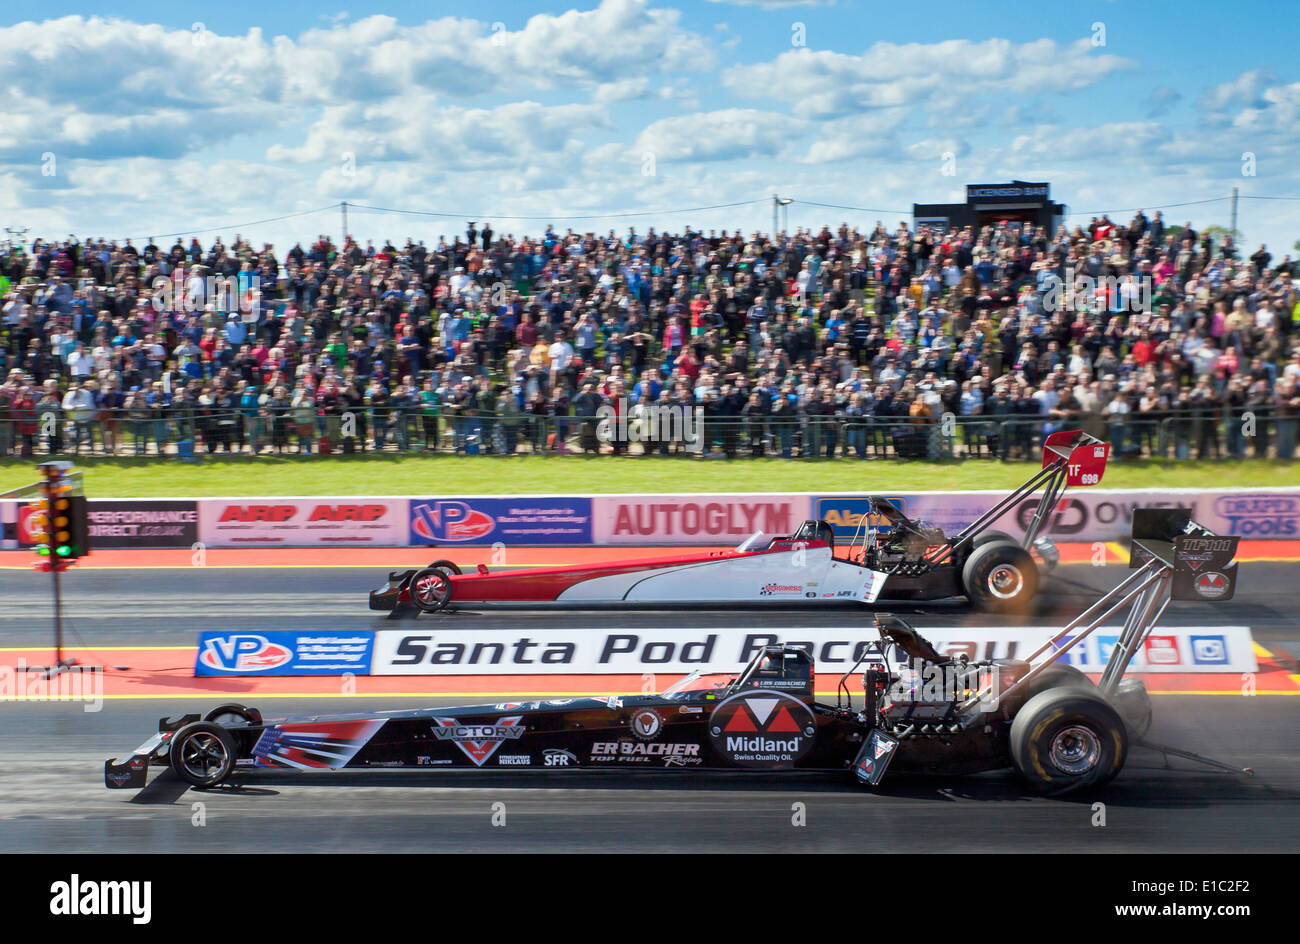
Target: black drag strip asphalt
x=119, y=607
x=52, y=796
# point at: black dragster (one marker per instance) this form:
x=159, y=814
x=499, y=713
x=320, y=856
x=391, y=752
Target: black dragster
x=920, y=711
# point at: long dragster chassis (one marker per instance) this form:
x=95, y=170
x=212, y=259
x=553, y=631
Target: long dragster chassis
x=920, y=711
x=893, y=558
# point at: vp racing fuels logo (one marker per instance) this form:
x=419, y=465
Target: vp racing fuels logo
x=449, y=521
x=246, y=652
x=479, y=741
x=762, y=729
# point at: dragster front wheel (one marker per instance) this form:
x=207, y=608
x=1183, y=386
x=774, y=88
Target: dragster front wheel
x=446, y=565
x=431, y=589
x=202, y=754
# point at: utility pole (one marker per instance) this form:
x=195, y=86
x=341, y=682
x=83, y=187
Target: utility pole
x=1233, y=227
x=344, y=241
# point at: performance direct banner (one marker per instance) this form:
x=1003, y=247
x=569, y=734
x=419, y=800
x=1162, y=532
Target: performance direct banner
x=674, y=650
x=693, y=519
x=303, y=522
x=151, y=522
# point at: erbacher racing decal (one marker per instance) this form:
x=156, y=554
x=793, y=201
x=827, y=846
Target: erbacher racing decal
x=479, y=741
x=639, y=752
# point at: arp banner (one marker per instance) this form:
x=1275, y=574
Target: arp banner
x=303, y=522
x=509, y=521
x=283, y=653
x=693, y=519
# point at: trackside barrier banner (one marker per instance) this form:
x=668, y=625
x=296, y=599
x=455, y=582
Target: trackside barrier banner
x=693, y=519
x=117, y=522
x=1082, y=515
x=508, y=521
x=153, y=523
x=1085, y=514
x=303, y=522
x=675, y=650
x=284, y=653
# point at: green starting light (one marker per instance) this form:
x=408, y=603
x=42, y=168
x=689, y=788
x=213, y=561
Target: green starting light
x=43, y=550
x=63, y=550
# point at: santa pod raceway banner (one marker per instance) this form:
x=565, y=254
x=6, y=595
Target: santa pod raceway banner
x=682, y=649
x=303, y=522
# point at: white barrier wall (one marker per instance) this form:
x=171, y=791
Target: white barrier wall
x=1082, y=515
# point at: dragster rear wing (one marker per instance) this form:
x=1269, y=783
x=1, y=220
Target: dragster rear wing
x=1201, y=561
x=1173, y=558
x=1083, y=456
x=1070, y=457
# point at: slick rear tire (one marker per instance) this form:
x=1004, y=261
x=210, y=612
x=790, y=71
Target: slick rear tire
x=202, y=754
x=986, y=537
x=430, y=589
x=1067, y=739
x=1058, y=675
x=447, y=566
x=1000, y=577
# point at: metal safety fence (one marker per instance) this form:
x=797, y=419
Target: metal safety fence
x=170, y=432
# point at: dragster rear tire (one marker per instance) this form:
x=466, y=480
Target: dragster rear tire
x=985, y=537
x=202, y=754
x=1000, y=577
x=1067, y=739
x=430, y=589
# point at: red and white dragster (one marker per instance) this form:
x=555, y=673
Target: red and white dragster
x=895, y=559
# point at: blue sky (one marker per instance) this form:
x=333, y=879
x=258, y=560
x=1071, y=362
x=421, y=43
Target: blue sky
x=142, y=121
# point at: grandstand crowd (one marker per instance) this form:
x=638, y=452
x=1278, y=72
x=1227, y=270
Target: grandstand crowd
x=812, y=343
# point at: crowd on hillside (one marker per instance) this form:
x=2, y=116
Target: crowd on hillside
x=815, y=342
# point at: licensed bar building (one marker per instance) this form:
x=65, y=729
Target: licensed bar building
x=987, y=204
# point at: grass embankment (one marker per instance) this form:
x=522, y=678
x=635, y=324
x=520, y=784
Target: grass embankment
x=392, y=474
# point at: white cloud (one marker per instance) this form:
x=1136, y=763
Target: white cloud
x=942, y=76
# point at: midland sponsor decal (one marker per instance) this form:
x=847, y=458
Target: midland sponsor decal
x=762, y=729
x=693, y=519
x=511, y=521
x=302, y=522
x=147, y=523
x=479, y=741
x=678, y=650
x=284, y=653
